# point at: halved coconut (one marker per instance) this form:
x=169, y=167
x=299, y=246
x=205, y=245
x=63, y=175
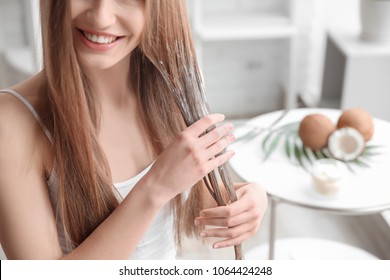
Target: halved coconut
x=346, y=144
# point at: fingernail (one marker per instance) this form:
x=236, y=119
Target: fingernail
x=197, y=222
x=203, y=234
x=215, y=246
x=202, y=214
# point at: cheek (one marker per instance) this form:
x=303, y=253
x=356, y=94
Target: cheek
x=76, y=9
x=136, y=22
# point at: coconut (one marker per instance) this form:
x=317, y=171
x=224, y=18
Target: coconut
x=314, y=131
x=346, y=144
x=358, y=119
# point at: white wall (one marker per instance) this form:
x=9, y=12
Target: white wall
x=20, y=51
x=314, y=18
x=342, y=14
x=11, y=22
x=213, y=7
x=2, y=255
x=34, y=32
x=234, y=89
x=243, y=78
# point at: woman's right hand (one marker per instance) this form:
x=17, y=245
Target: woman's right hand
x=191, y=156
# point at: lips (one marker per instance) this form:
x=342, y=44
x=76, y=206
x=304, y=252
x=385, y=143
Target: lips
x=99, y=41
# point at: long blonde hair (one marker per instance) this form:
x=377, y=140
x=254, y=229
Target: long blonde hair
x=86, y=195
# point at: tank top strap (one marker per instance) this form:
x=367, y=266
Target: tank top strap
x=31, y=108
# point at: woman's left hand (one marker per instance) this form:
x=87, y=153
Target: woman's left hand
x=237, y=221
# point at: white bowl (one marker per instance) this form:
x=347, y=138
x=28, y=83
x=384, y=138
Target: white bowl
x=327, y=176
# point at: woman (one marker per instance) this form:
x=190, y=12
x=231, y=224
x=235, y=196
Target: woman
x=101, y=111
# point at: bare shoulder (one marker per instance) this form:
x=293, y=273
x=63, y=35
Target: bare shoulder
x=20, y=132
x=15, y=114
x=29, y=89
x=27, y=225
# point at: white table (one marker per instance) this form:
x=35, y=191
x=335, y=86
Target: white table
x=366, y=192
x=309, y=249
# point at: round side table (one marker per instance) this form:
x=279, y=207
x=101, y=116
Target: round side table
x=367, y=190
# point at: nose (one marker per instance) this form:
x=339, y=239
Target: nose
x=102, y=14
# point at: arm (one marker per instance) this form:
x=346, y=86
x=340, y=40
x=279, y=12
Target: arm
x=27, y=224
x=27, y=227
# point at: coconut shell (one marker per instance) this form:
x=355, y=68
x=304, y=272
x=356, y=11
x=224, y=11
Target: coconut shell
x=314, y=131
x=359, y=119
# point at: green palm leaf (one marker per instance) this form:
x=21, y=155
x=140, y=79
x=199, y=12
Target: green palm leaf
x=326, y=153
x=298, y=152
x=287, y=146
x=272, y=146
x=306, y=152
x=360, y=162
x=265, y=141
x=318, y=154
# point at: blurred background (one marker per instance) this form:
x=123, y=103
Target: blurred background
x=259, y=56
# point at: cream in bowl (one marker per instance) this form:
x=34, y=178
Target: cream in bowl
x=327, y=176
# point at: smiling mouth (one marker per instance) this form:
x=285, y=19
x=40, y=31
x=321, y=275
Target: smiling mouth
x=99, y=39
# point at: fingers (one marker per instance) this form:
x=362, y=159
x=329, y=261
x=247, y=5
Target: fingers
x=231, y=210
x=232, y=221
x=238, y=221
x=216, y=134
x=232, y=236
x=235, y=229
x=232, y=241
x=220, y=145
x=247, y=225
x=218, y=161
x=200, y=126
x=215, y=142
x=212, y=143
x=226, y=232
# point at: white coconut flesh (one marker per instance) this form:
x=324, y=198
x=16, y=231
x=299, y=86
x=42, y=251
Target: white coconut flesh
x=346, y=144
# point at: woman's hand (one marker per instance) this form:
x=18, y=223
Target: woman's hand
x=237, y=221
x=191, y=156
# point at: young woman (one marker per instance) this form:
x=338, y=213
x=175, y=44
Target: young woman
x=100, y=112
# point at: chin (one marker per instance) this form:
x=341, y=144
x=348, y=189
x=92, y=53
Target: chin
x=103, y=61
x=97, y=64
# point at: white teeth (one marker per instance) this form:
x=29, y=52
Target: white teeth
x=99, y=39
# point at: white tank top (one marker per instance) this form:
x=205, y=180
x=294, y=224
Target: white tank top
x=158, y=240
